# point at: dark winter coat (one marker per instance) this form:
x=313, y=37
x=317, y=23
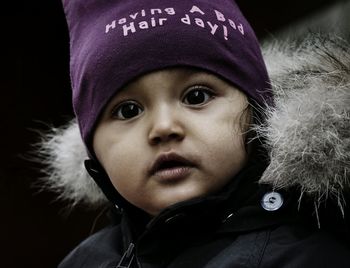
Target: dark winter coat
x=302, y=223
x=230, y=229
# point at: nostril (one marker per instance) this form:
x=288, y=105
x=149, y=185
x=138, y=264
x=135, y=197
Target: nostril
x=174, y=136
x=166, y=138
x=156, y=140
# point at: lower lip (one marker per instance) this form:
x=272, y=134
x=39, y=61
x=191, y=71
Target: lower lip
x=173, y=174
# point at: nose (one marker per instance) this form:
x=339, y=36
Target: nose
x=166, y=126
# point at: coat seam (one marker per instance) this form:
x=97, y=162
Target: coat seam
x=262, y=254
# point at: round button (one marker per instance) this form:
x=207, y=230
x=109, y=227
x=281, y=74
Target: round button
x=272, y=201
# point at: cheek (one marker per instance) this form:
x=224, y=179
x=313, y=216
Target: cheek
x=224, y=130
x=123, y=171
x=224, y=142
x=126, y=172
x=228, y=148
x=120, y=163
x=118, y=156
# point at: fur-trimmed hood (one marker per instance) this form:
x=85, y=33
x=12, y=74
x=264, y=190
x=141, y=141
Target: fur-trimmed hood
x=307, y=132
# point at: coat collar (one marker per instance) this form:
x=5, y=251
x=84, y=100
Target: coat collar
x=237, y=208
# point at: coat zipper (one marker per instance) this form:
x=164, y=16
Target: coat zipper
x=127, y=257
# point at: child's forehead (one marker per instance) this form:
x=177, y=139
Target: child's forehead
x=172, y=75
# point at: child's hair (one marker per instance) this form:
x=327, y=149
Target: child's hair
x=251, y=117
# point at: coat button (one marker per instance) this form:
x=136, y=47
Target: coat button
x=272, y=201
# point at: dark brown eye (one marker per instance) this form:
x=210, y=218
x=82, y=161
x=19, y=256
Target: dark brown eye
x=198, y=96
x=127, y=110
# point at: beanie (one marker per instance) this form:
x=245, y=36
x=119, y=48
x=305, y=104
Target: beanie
x=113, y=42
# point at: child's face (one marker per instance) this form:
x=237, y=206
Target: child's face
x=188, y=121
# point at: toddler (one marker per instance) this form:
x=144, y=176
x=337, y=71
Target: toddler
x=165, y=94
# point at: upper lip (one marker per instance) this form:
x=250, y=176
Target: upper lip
x=169, y=157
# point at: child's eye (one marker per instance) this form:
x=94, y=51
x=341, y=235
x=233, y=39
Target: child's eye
x=198, y=95
x=126, y=110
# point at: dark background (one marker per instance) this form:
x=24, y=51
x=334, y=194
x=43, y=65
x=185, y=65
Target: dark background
x=35, y=230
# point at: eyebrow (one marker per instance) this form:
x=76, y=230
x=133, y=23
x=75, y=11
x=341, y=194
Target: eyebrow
x=187, y=73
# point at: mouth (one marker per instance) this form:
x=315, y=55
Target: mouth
x=171, y=166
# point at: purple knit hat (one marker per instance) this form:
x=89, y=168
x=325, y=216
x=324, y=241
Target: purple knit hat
x=113, y=42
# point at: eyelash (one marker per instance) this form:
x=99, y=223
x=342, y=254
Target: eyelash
x=203, y=89
x=118, y=109
x=116, y=112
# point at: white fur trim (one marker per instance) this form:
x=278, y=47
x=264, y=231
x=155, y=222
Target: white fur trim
x=307, y=133
x=63, y=152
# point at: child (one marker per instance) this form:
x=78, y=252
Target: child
x=165, y=93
